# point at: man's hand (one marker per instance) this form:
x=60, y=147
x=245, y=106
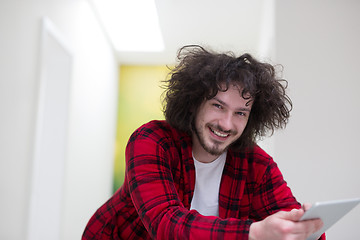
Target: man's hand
x=284, y=225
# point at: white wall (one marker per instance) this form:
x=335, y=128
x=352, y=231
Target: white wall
x=266, y=52
x=92, y=116
x=318, y=44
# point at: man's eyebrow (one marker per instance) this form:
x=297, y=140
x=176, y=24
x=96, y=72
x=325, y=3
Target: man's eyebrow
x=226, y=105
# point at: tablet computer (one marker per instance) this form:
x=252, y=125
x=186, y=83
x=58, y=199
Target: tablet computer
x=330, y=212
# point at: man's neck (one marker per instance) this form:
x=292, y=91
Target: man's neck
x=205, y=158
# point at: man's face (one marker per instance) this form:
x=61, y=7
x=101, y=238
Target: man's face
x=219, y=122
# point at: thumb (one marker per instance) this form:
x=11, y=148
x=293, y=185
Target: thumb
x=293, y=215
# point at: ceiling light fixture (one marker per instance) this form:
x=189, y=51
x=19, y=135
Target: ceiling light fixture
x=132, y=25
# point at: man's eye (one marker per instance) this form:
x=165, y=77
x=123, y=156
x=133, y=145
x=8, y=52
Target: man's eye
x=241, y=113
x=217, y=106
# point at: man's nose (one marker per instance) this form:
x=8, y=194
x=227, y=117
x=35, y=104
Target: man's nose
x=226, y=122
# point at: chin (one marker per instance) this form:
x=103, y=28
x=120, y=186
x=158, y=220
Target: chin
x=216, y=151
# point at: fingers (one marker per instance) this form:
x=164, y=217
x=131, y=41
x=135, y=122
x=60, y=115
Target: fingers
x=311, y=226
x=305, y=228
x=306, y=206
x=283, y=224
x=293, y=215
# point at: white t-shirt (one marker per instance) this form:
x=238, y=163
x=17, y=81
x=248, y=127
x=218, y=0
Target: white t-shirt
x=207, y=185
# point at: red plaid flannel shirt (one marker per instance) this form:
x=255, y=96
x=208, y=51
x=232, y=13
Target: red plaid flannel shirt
x=155, y=199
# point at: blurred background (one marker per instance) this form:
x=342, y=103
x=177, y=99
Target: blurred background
x=77, y=77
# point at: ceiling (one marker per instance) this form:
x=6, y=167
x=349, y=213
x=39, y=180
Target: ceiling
x=219, y=24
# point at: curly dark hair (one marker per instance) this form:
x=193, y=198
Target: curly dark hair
x=201, y=73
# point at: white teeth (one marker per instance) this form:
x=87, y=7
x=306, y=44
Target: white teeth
x=219, y=133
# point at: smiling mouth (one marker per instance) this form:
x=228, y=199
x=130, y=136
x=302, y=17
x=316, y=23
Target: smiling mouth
x=219, y=134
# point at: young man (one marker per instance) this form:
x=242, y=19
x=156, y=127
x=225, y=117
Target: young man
x=200, y=174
